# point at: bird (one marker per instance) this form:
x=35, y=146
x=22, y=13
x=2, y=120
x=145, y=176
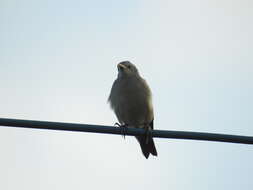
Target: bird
x=131, y=100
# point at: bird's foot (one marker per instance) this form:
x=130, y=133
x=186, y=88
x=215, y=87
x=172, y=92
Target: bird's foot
x=123, y=129
x=148, y=133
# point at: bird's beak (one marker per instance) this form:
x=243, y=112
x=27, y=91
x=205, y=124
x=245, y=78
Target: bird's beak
x=121, y=67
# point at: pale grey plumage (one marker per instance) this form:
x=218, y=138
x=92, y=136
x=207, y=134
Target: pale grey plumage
x=131, y=100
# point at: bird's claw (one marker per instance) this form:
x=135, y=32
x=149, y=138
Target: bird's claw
x=148, y=133
x=123, y=129
x=117, y=124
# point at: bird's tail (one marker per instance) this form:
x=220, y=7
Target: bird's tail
x=147, y=147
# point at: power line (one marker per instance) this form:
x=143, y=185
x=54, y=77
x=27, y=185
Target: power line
x=130, y=131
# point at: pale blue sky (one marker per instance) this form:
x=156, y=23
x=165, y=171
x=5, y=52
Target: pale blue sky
x=58, y=62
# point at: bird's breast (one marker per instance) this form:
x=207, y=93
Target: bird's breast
x=134, y=106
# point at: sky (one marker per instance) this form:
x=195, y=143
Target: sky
x=58, y=62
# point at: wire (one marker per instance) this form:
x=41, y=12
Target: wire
x=130, y=131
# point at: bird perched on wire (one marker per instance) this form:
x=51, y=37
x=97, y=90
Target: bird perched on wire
x=131, y=100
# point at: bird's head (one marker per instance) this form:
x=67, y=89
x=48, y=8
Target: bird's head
x=126, y=68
